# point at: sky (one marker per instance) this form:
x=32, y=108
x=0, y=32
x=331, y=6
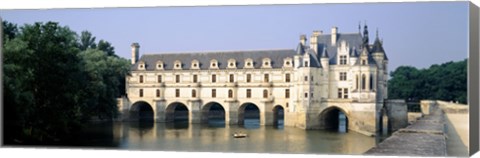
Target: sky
x=416, y=34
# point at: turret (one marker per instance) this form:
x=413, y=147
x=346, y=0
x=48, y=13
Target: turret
x=334, y=35
x=135, y=52
x=378, y=53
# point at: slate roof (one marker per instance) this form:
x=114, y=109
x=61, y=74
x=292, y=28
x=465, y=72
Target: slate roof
x=204, y=58
x=353, y=39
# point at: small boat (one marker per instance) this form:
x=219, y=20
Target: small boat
x=239, y=135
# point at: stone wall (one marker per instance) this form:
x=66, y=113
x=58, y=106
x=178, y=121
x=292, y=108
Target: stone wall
x=397, y=114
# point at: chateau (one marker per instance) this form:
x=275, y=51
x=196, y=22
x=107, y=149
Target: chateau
x=325, y=75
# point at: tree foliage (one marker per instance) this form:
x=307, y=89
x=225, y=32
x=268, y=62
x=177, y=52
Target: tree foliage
x=447, y=81
x=53, y=86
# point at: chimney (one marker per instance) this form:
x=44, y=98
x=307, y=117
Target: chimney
x=303, y=39
x=135, y=52
x=334, y=35
x=314, y=40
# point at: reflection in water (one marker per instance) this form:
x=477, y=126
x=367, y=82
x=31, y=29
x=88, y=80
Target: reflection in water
x=207, y=137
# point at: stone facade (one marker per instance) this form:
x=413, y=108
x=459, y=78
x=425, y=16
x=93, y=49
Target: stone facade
x=337, y=72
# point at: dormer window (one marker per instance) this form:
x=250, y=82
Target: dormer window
x=287, y=62
x=213, y=64
x=364, y=62
x=159, y=65
x=141, y=65
x=266, y=63
x=232, y=63
x=195, y=64
x=248, y=63
x=177, y=64
x=343, y=60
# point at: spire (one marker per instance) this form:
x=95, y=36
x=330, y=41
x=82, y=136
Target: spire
x=359, y=28
x=300, y=49
x=365, y=34
x=324, y=53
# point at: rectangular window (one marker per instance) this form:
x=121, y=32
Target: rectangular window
x=140, y=93
x=311, y=78
x=266, y=78
x=343, y=60
x=214, y=78
x=287, y=77
x=231, y=78
x=214, y=93
x=305, y=78
x=265, y=93
x=177, y=78
x=311, y=95
x=306, y=95
x=343, y=76
x=340, y=93
x=159, y=78
x=345, y=93
x=158, y=93
x=141, y=79
x=195, y=78
x=306, y=63
x=249, y=77
x=249, y=93
x=287, y=93
x=177, y=93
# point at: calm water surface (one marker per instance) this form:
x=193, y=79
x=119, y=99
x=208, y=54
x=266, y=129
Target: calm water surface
x=217, y=137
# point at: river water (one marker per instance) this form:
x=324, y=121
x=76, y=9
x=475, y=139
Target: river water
x=217, y=137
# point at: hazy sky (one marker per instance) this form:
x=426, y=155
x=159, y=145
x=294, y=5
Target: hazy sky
x=417, y=34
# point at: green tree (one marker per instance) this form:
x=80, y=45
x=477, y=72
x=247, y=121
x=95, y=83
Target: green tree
x=10, y=31
x=87, y=40
x=52, y=87
x=106, y=47
x=447, y=81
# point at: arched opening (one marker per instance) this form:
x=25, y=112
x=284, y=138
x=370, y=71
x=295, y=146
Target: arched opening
x=249, y=115
x=384, y=122
x=177, y=113
x=363, y=82
x=334, y=119
x=213, y=114
x=141, y=111
x=278, y=116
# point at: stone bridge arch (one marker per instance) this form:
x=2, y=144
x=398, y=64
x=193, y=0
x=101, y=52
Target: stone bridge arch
x=213, y=111
x=278, y=115
x=248, y=110
x=329, y=118
x=177, y=112
x=141, y=111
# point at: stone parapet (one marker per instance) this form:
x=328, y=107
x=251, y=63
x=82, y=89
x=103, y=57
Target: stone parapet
x=426, y=137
